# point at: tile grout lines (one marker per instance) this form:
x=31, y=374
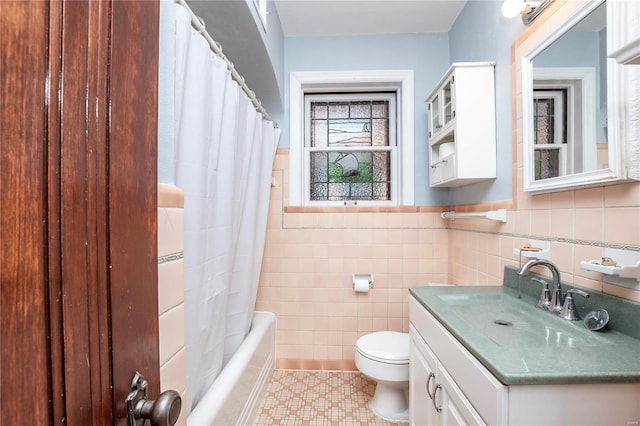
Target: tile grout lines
x=318, y=398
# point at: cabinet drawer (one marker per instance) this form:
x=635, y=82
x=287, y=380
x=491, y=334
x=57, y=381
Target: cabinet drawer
x=487, y=395
x=435, y=174
x=443, y=170
x=448, y=166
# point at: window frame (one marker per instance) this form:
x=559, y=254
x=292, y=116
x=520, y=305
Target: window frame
x=309, y=82
x=261, y=10
x=565, y=149
x=550, y=77
x=392, y=148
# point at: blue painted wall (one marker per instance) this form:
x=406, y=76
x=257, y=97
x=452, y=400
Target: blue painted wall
x=481, y=33
x=582, y=49
x=426, y=54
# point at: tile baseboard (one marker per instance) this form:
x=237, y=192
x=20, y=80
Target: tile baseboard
x=315, y=364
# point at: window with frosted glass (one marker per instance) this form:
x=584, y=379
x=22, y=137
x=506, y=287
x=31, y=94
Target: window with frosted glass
x=550, y=133
x=350, y=145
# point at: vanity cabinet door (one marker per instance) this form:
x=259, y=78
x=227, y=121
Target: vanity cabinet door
x=435, y=399
x=456, y=408
x=422, y=382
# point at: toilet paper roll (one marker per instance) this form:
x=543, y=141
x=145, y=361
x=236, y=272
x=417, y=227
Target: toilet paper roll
x=446, y=149
x=361, y=285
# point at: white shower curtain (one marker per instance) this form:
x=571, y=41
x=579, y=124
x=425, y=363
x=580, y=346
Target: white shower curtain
x=224, y=153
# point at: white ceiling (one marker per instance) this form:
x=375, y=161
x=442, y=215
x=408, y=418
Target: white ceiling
x=350, y=17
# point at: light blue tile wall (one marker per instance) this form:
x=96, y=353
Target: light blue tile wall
x=426, y=54
x=481, y=33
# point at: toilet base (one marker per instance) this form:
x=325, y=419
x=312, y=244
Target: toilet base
x=390, y=402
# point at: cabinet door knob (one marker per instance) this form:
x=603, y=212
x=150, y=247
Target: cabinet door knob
x=431, y=376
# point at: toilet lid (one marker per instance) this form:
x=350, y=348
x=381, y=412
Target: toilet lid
x=385, y=346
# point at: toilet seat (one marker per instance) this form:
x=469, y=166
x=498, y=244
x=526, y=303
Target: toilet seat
x=389, y=347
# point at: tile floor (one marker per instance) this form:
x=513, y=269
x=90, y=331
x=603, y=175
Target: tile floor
x=318, y=398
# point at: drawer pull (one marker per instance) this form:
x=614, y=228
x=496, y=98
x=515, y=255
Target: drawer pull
x=431, y=376
x=438, y=408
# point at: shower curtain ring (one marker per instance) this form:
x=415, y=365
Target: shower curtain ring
x=204, y=26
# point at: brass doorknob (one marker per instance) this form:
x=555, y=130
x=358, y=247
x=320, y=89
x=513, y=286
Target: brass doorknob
x=164, y=411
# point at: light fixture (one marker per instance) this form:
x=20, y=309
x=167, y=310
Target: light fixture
x=529, y=9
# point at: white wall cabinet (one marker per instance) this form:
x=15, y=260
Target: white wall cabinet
x=462, y=129
x=469, y=394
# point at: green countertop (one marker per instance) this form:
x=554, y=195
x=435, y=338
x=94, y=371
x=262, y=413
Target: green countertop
x=538, y=347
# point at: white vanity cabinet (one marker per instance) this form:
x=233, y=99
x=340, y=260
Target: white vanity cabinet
x=445, y=375
x=472, y=381
x=462, y=129
x=446, y=404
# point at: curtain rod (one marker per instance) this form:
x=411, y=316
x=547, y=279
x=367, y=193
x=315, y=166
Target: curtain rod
x=199, y=25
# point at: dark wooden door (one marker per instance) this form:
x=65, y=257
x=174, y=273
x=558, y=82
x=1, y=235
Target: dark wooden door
x=78, y=260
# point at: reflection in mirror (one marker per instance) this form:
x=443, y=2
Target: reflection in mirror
x=569, y=101
x=573, y=102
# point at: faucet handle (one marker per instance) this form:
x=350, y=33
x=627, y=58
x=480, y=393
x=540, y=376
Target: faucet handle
x=568, y=310
x=576, y=291
x=545, y=297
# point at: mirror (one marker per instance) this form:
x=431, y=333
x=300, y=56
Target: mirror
x=570, y=135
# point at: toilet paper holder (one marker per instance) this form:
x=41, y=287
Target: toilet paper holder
x=362, y=278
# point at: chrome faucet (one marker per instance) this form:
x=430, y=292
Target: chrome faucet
x=568, y=310
x=545, y=297
x=555, y=304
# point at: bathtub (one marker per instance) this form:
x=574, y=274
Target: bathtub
x=234, y=397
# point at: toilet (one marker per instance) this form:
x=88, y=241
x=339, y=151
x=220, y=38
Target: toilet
x=383, y=356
